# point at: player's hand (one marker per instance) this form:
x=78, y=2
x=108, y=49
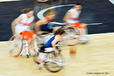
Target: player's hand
x=83, y=25
x=40, y=32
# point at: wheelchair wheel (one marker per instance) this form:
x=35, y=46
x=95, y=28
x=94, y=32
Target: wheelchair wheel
x=16, y=45
x=54, y=66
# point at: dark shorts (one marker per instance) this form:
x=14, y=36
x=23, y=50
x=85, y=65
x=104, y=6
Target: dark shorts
x=42, y=48
x=47, y=28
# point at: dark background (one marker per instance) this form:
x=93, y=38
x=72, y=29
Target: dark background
x=94, y=11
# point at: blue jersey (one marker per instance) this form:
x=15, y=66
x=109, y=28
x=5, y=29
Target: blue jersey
x=48, y=42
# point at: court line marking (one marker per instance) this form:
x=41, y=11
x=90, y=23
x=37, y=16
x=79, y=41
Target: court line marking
x=112, y=1
x=40, y=14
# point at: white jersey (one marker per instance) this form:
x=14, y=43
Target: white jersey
x=24, y=25
x=74, y=16
x=26, y=20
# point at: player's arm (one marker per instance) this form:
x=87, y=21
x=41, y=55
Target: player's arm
x=67, y=16
x=56, y=40
x=40, y=23
x=14, y=23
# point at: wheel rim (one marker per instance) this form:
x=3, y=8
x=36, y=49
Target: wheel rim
x=53, y=67
x=15, y=46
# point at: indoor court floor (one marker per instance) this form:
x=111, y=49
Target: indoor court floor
x=95, y=58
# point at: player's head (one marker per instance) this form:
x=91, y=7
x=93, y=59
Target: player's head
x=78, y=6
x=50, y=13
x=59, y=31
x=28, y=11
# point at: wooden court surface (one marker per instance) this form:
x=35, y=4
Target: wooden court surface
x=93, y=59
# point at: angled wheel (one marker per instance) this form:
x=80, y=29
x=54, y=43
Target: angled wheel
x=16, y=45
x=53, y=65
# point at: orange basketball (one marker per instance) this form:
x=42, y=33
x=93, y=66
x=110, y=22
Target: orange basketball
x=72, y=51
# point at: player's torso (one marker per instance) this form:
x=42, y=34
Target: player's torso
x=74, y=15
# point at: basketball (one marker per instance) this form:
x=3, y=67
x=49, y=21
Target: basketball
x=73, y=51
